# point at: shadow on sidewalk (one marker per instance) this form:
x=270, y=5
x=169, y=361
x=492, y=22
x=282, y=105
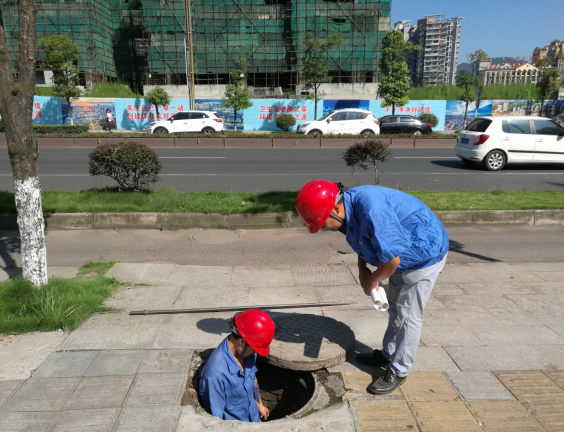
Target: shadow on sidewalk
x=10, y=245
x=458, y=247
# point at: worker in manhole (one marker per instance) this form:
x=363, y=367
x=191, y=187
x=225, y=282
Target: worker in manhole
x=405, y=240
x=228, y=385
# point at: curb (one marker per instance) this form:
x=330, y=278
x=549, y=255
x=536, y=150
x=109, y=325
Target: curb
x=286, y=220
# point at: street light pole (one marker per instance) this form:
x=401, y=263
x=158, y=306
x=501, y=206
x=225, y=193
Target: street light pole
x=189, y=57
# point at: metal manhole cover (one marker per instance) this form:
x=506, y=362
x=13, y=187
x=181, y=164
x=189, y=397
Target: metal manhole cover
x=216, y=237
x=307, y=343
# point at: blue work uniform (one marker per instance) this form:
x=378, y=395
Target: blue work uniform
x=226, y=391
x=382, y=224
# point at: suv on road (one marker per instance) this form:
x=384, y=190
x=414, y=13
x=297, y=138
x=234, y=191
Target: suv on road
x=395, y=124
x=346, y=121
x=205, y=122
x=497, y=140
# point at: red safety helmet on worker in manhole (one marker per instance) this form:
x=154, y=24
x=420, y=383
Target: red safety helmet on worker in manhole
x=315, y=203
x=257, y=329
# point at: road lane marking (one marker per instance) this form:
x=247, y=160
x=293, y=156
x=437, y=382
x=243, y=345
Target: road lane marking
x=425, y=157
x=320, y=174
x=191, y=157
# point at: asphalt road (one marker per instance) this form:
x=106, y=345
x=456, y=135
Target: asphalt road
x=277, y=247
x=261, y=170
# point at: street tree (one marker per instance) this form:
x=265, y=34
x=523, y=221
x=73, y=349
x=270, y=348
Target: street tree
x=61, y=55
x=474, y=59
x=395, y=83
x=547, y=85
x=237, y=96
x=366, y=154
x=158, y=96
x=466, y=81
x=16, y=108
x=316, y=65
x=544, y=63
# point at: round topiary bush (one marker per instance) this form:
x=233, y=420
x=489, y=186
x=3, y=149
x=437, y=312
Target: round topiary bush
x=285, y=121
x=131, y=165
x=429, y=118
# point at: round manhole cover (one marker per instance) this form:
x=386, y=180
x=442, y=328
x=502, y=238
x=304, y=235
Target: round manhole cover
x=307, y=343
x=216, y=237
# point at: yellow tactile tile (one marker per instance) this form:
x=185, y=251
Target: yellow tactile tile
x=444, y=416
x=549, y=413
x=384, y=416
x=428, y=386
x=503, y=416
x=530, y=385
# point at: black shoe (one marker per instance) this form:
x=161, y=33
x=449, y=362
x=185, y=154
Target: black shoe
x=385, y=384
x=373, y=359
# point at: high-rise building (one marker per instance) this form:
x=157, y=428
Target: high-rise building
x=551, y=50
x=436, y=61
x=142, y=41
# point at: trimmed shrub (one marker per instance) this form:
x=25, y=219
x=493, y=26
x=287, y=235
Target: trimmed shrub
x=429, y=118
x=60, y=129
x=366, y=154
x=131, y=165
x=285, y=121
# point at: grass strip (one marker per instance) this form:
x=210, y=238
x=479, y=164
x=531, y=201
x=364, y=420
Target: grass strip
x=63, y=303
x=167, y=200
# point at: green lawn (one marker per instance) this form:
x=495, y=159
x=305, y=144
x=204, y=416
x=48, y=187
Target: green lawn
x=63, y=303
x=168, y=200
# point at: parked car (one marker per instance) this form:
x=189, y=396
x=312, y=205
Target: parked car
x=345, y=121
x=498, y=140
x=205, y=122
x=395, y=124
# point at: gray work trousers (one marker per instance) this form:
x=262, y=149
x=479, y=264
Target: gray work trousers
x=408, y=293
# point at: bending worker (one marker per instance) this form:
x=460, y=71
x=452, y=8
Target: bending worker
x=402, y=237
x=228, y=386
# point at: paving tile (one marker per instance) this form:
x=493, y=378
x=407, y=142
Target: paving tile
x=552, y=356
x=552, y=302
x=200, y=276
x=208, y=297
x=444, y=416
x=353, y=294
x=63, y=272
x=433, y=359
x=368, y=326
x=489, y=358
x=559, y=329
x=7, y=273
x=448, y=336
x=65, y=364
x=447, y=289
x=458, y=274
x=87, y=420
x=99, y=392
x=115, y=331
x=535, y=317
x=530, y=386
x=384, y=416
x=193, y=331
x=516, y=335
x=557, y=376
x=536, y=267
x=359, y=381
x=323, y=275
x=156, y=389
x=478, y=385
x=27, y=421
x=476, y=302
x=353, y=267
x=116, y=363
x=41, y=394
x=7, y=388
x=550, y=276
x=434, y=304
x=284, y=295
x=550, y=414
x=548, y=288
x=142, y=273
x=144, y=298
x=428, y=386
x=503, y=416
x=263, y=276
x=166, y=361
x=461, y=318
x=497, y=289
x=148, y=418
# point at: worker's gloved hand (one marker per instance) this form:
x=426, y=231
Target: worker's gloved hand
x=263, y=410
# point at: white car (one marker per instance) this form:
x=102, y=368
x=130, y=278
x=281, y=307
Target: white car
x=497, y=140
x=205, y=122
x=346, y=121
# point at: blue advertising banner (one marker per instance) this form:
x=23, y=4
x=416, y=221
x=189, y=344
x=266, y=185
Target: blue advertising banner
x=336, y=104
x=454, y=116
x=89, y=110
x=226, y=114
x=262, y=115
x=413, y=108
x=137, y=113
x=47, y=110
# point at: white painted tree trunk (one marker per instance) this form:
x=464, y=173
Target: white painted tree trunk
x=32, y=230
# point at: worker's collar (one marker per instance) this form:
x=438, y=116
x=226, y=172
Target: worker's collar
x=232, y=364
x=349, y=216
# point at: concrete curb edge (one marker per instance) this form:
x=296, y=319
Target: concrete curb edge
x=185, y=221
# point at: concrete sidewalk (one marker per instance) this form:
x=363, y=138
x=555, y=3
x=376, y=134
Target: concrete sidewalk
x=491, y=356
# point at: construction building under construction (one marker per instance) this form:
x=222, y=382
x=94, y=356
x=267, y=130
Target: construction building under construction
x=143, y=41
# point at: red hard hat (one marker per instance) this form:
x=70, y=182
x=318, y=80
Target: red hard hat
x=257, y=329
x=315, y=203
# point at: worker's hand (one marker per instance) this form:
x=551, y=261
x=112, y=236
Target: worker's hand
x=263, y=410
x=368, y=284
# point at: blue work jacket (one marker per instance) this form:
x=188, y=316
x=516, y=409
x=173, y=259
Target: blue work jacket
x=226, y=391
x=383, y=223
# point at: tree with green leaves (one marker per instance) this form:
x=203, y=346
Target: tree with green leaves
x=547, y=85
x=395, y=83
x=237, y=94
x=316, y=65
x=466, y=81
x=61, y=55
x=544, y=63
x=366, y=154
x=475, y=58
x=158, y=96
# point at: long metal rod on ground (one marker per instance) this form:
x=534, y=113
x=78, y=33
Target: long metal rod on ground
x=241, y=308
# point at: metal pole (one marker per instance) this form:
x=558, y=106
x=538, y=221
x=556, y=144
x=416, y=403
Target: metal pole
x=240, y=308
x=189, y=57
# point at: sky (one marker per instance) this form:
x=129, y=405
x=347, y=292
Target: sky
x=502, y=28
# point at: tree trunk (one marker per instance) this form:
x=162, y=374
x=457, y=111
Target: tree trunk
x=393, y=109
x=16, y=108
x=70, y=111
x=542, y=108
x=234, y=120
x=465, y=115
x=157, y=111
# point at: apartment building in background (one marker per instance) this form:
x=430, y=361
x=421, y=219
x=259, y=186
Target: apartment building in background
x=439, y=38
x=551, y=50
